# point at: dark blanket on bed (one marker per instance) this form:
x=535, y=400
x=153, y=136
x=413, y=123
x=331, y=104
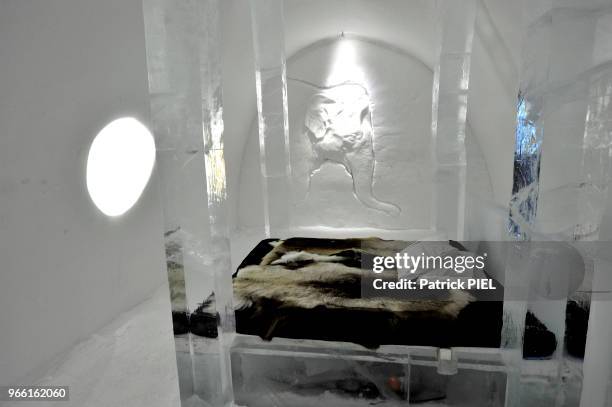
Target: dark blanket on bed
x=306, y=288
x=311, y=289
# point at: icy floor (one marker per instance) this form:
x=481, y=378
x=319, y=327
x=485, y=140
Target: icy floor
x=131, y=362
x=128, y=363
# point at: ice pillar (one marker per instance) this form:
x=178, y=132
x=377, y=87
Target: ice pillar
x=562, y=160
x=271, y=83
x=534, y=76
x=562, y=116
x=449, y=115
x=182, y=43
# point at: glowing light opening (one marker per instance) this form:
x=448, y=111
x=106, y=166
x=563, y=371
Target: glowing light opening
x=345, y=67
x=119, y=165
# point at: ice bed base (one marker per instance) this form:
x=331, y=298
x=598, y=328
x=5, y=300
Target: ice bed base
x=288, y=372
x=310, y=288
x=286, y=356
x=292, y=372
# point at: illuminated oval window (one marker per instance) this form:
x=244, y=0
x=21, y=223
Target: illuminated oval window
x=119, y=165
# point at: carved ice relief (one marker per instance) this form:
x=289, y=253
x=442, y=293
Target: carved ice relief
x=338, y=123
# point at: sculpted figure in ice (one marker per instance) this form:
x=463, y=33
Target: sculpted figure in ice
x=339, y=125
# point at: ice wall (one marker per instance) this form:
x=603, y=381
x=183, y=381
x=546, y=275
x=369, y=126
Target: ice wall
x=371, y=169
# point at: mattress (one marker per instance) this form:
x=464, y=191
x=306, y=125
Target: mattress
x=309, y=288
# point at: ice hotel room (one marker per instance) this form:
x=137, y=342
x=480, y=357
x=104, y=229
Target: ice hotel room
x=295, y=203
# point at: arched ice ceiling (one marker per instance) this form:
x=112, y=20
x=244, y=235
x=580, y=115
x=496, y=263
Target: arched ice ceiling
x=409, y=25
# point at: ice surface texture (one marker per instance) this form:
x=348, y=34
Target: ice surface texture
x=562, y=166
x=271, y=87
x=339, y=125
x=360, y=140
x=562, y=159
x=182, y=41
x=449, y=116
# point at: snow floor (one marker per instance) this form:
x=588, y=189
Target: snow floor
x=128, y=363
x=131, y=362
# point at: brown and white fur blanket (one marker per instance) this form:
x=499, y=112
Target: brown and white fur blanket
x=310, y=288
x=307, y=288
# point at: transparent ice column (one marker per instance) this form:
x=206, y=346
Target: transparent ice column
x=524, y=199
x=186, y=115
x=450, y=98
x=271, y=83
x=562, y=162
x=562, y=116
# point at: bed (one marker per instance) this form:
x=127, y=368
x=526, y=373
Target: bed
x=311, y=288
